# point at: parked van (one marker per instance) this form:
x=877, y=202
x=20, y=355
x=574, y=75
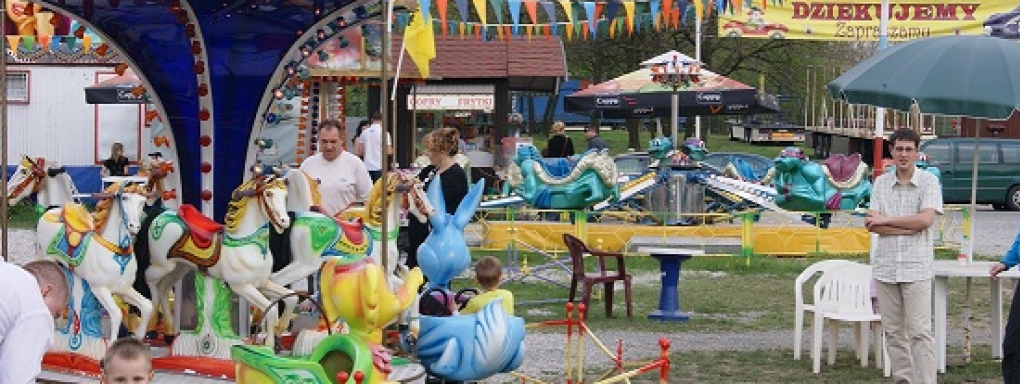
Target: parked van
x=998, y=170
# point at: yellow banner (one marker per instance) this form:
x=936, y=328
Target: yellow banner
x=851, y=20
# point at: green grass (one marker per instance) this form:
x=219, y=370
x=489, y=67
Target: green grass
x=734, y=294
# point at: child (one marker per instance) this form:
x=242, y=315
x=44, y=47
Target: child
x=127, y=361
x=488, y=273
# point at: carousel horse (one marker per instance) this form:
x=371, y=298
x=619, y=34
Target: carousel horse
x=47, y=180
x=99, y=250
x=400, y=188
x=314, y=235
x=563, y=183
x=236, y=252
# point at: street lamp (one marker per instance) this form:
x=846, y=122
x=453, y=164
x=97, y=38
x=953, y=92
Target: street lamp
x=676, y=74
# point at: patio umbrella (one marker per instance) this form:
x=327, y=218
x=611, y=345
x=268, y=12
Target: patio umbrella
x=120, y=89
x=973, y=76
x=636, y=95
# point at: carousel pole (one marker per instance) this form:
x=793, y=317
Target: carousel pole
x=383, y=106
x=4, y=207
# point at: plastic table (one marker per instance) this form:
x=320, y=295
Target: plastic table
x=670, y=260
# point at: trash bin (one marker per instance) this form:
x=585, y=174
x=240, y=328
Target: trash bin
x=678, y=196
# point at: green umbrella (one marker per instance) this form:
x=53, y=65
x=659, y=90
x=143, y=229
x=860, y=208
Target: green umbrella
x=976, y=76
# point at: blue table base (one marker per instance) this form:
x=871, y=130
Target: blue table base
x=669, y=297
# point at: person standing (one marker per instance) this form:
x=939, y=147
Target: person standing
x=117, y=164
x=440, y=147
x=1011, y=340
x=357, y=133
x=343, y=179
x=559, y=144
x=370, y=145
x=903, y=207
x=594, y=140
x=31, y=297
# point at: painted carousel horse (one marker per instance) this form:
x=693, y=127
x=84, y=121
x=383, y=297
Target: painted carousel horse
x=99, y=250
x=47, y=180
x=563, y=183
x=806, y=186
x=236, y=252
x=357, y=292
x=314, y=235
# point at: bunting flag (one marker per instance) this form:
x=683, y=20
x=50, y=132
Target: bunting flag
x=480, y=7
x=667, y=12
x=498, y=6
x=568, y=9
x=699, y=11
x=529, y=5
x=462, y=9
x=515, y=14
x=593, y=21
x=441, y=7
x=655, y=13
x=628, y=8
x=550, y=12
x=611, y=8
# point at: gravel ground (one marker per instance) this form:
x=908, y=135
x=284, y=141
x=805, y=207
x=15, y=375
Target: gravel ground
x=995, y=232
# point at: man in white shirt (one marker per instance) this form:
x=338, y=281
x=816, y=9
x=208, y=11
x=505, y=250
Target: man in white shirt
x=369, y=145
x=30, y=298
x=342, y=177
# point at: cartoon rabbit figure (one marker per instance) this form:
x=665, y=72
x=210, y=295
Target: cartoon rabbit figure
x=444, y=254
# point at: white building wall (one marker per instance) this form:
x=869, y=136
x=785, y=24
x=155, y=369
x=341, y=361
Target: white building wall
x=57, y=123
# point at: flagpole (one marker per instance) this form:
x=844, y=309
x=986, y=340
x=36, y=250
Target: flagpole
x=697, y=57
x=400, y=63
x=386, y=42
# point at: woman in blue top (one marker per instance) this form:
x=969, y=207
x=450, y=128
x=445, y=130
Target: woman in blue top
x=1011, y=341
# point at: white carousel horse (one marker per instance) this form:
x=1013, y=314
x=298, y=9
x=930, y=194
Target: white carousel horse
x=372, y=217
x=315, y=235
x=46, y=179
x=236, y=253
x=100, y=250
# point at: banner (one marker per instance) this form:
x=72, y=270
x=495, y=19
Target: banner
x=857, y=20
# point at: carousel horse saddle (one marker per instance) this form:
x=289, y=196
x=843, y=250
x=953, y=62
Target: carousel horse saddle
x=76, y=218
x=201, y=229
x=352, y=231
x=842, y=167
x=557, y=167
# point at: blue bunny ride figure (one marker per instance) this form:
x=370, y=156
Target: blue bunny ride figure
x=445, y=254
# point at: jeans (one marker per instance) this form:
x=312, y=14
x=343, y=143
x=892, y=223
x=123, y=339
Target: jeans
x=1011, y=343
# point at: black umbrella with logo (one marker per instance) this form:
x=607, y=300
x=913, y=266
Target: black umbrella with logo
x=120, y=89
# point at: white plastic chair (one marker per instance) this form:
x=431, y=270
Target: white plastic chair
x=803, y=308
x=844, y=294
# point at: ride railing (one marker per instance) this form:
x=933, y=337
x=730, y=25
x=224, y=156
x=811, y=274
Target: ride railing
x=517, y=230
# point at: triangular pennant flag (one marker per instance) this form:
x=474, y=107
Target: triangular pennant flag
x=589, y=10
x=654, y=12
x=55, y=45
x=611, y=8
x=497, y=5
x=699, y=10
x=628, y=7
x=550, y=11
x=568, y=10
x=576, y=18
x=462, y=9
x=461, y=27
x=13, y=41
x=515, y=14
x=530, y=6
x=44, y=41
x=424, y=6
x=441, y=6
x=612, y=28
x=598, y=9
x=28, y=41
x=667, y=11
x=481, y=6
x=478, y=31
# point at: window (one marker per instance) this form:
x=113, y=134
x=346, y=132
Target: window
x=988, y=153
x=17, y=87
x=1010, y=153
x=938, y=154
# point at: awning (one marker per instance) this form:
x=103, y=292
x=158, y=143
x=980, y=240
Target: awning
x=116, y=90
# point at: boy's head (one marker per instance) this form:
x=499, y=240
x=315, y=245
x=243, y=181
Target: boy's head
x=127, y=361
x=488, y=272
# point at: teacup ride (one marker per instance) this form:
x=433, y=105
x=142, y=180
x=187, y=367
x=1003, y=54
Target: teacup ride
x=459, y=347
x=98, y=258
x=232, y=255
x=358, y=293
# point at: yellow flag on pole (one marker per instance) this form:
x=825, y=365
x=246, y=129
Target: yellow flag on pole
x=421, y=42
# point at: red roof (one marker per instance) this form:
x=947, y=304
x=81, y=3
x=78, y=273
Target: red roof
x=529, y=65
